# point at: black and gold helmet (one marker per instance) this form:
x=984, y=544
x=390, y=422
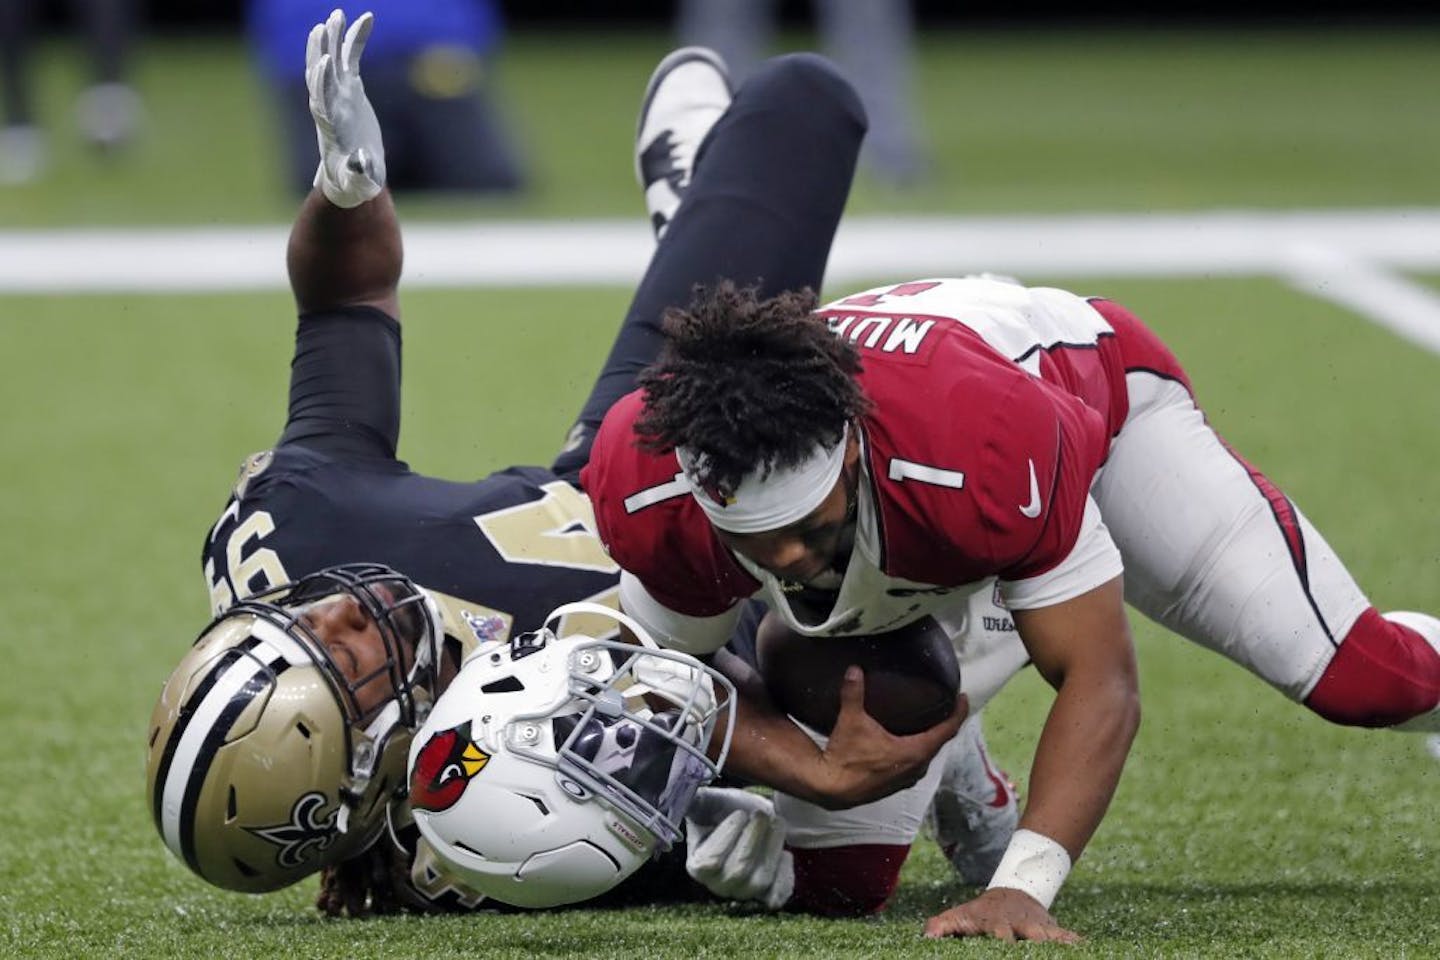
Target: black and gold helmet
x=280, y=739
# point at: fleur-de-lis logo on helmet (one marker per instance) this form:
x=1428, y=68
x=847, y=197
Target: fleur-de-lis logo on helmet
x=305, y=836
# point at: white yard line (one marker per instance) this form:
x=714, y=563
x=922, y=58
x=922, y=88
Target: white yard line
x=1404, y=307
x=1346, y=256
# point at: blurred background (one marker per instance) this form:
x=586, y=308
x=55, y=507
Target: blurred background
x=978, y=107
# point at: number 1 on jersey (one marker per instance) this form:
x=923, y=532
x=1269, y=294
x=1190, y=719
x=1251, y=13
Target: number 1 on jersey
x=902, y=470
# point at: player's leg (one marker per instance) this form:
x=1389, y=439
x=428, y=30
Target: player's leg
x=975, y=809
x=741, y=31
x=22, y=147
x=770, y=181
x=1217, y=553
x=109, y=110
x=15, y=39
x=847, y=862
x=874, y=43
x=109, y=29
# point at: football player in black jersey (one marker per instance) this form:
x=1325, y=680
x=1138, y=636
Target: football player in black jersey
x=495, y=555
x=260, y=779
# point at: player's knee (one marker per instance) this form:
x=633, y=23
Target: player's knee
x=849, y=881
x=1383, y=673
x=810, y=84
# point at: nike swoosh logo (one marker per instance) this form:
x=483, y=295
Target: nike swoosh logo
x=1000, y=782
x=1032, y=509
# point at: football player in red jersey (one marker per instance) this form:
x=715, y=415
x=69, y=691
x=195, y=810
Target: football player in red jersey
x=869, y=462
x=332, y=492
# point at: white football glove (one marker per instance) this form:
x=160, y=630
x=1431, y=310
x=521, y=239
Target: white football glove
x=736, y=847
x=352, y=153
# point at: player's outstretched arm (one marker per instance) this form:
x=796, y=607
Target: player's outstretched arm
x=345, y=247
x=1083, y=648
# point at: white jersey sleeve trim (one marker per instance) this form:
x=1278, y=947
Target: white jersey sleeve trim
x=694, y=635
x=1092, y=561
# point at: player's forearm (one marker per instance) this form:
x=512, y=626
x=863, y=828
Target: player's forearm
x=767, y=748
x=340, y=257
x=1080, y=756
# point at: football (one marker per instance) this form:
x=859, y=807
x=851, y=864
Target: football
x=911, y=674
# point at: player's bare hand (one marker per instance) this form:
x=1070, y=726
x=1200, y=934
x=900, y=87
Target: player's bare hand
x=1001, y=913
x=866, y=762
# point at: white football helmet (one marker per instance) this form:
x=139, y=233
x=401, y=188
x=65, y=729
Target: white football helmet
x=553, y=767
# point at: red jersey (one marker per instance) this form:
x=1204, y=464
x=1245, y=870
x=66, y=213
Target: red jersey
x=993, y=406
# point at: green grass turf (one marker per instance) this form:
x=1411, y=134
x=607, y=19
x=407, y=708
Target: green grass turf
x=1243, y=826
x=1016, y=121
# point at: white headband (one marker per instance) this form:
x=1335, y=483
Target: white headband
x=782, y=497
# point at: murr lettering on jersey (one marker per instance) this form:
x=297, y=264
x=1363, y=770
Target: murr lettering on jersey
x=886, y=333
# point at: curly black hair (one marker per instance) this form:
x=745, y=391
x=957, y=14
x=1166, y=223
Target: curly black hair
x=372, y=883
x=749, y=383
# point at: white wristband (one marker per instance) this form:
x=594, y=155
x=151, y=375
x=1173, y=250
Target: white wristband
x=1033, y=864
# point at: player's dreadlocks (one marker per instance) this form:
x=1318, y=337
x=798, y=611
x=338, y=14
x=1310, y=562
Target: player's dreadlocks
x=375, y=883
x=749, y=384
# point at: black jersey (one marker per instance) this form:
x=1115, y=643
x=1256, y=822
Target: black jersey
x=497, y=554
x=520, y=542
x=513, y=545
